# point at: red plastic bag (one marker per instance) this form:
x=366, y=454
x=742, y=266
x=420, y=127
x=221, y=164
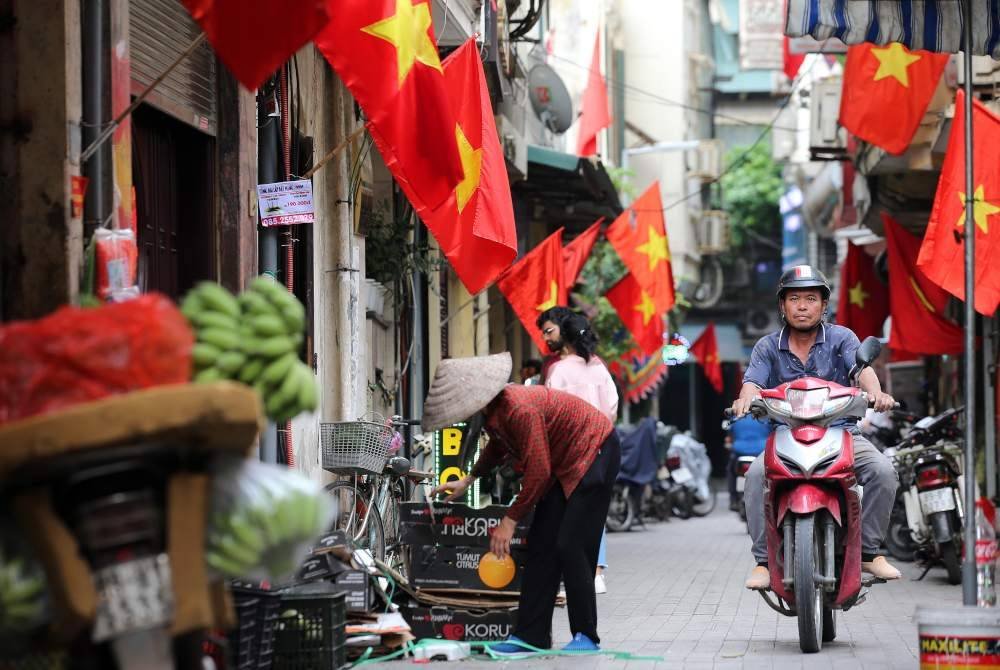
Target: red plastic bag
x=77, y=355
x=117, y=257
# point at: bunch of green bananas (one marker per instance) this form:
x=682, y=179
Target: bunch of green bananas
x=253, y=339
x=268, y=525
x=23, y=596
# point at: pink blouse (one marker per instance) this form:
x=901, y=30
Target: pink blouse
x=589, y=381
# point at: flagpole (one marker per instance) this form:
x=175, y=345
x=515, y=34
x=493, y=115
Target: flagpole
x=969, y=565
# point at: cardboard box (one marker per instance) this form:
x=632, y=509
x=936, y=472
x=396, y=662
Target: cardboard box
x=454, y=524
x=358, y=589
x=457, y=624
x=439, y=567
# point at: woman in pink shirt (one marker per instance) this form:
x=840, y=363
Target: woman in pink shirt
x=580, y=372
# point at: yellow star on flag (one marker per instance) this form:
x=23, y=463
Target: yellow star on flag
x=655, y=248
x=553, y=297
x=472, y=162
x=646, y=308
x=407, y=31
x=893, y=61
x=858, y=295
x=920, y=296
x=981, y=209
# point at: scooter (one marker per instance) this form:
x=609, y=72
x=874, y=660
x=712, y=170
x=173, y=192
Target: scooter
x=931, y=490
x=812, y=502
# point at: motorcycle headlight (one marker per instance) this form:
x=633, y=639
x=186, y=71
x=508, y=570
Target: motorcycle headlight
x=779, y=406
x=837, y=404
x=807, y=404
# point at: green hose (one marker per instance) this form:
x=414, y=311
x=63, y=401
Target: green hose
x=490, y=655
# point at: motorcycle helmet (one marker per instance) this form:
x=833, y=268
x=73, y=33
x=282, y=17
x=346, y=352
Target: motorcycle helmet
x=803, y=276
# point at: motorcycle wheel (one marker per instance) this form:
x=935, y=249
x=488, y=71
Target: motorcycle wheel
x=952, y=562
x=808, y=594
x=621, y=514
x=898, y=539
x=682, y=503
x=703, y=507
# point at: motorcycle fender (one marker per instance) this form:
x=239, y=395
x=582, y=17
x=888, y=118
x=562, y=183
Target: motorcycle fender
x=806, y=499
x=914, y=514
x=942, y=527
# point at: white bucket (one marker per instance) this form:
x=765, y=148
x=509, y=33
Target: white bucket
x=958, y=638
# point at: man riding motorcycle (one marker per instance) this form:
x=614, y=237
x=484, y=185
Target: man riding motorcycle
x=807, y=347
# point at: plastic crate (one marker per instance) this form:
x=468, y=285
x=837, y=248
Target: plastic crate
x=349, y=447
x=251, y=643
x=309, y=633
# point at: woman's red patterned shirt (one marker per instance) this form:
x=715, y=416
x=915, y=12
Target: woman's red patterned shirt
x=551, y=435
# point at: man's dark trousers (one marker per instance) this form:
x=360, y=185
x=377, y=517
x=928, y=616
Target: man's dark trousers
x=563, y=543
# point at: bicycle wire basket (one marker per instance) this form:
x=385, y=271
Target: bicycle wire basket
x=351, y=447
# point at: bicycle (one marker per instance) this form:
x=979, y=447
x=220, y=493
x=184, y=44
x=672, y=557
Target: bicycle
x=368, y=502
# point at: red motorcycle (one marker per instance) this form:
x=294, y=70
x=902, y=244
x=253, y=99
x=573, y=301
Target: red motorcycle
x=812, y=501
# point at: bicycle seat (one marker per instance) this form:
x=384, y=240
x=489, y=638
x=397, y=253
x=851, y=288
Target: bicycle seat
x=398, y=466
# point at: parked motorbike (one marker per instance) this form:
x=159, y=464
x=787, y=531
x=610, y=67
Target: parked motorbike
x=928, y=527
x=647, y=485
x=740, y=467
x=812, y=502
x=689, y=465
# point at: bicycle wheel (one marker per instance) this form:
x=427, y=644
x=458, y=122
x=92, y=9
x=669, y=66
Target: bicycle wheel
x=395, y=550
x=353, y=505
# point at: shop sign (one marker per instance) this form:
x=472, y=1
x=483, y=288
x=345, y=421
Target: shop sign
x=447, y=445
x=761, y=34
x=286, y=203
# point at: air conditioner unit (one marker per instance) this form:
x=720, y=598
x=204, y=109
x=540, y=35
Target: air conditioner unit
x=827, y=140
x=707, y=160
x=761, y=321
x=985, y=71
x=713, y=233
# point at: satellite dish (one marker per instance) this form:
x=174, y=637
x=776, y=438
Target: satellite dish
x=550, y=99
x=710, y=285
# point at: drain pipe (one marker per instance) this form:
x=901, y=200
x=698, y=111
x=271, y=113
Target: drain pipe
x=267, y=173
x=286, y=146
x=95, y=205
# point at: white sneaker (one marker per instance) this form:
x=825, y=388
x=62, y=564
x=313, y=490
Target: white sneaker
x=600, y=584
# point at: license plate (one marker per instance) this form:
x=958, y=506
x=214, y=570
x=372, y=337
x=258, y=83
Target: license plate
x=741, y=483
x=938, y=500
x=681, y=475
x=134, y=595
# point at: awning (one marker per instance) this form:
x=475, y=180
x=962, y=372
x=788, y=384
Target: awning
x=934, y=25
x=571, y=191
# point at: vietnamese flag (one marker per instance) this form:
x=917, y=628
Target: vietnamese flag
x=594, y=114
x=706, y=351
x=385, y=52
x=255, y=39
x=535, y=284
x=886, y=91
x=576, y=253
x=942, y=255
x=636, y=310
x=916, y=303
x=475, y=226
x=791, y=63
x=863, y=305
x=639, y=235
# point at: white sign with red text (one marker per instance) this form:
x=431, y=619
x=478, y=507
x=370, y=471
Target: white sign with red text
x=285, y=203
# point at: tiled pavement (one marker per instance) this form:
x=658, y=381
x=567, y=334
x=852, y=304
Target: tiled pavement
x=675, y=591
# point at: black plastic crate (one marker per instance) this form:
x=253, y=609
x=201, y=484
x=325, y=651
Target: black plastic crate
x=309, y=633
x=251, y=642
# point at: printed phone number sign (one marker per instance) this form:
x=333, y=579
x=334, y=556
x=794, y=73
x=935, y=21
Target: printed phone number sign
x=286, y=203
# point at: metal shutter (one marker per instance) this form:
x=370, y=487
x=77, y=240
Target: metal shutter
x=159, y=31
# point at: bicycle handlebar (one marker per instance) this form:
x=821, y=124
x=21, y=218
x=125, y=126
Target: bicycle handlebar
x=400, y=421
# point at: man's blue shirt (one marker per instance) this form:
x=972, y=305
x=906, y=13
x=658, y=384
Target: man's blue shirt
x=831, y=357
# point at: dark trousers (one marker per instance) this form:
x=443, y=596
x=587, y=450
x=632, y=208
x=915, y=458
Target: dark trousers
x=563, y=544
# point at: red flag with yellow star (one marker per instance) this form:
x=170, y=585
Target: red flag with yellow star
x=576, y=253
x=706, y=351
x=915, y=302
x=863, y=305
x=535, y=283
x=942, y=254
x=475, y=227
x=639, y=235
x=636, y=310
x=385, y=52
x=886, y=91
x=594, y=114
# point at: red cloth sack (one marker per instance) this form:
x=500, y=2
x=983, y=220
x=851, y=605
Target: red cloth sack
x=77, y=355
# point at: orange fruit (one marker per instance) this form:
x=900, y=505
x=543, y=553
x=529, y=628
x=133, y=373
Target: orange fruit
x=495, y=572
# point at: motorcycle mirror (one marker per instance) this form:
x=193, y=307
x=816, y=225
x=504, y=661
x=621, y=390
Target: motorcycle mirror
x=868, y=351
x=725, y=424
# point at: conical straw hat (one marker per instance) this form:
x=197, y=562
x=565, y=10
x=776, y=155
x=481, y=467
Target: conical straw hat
x=463, y=386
